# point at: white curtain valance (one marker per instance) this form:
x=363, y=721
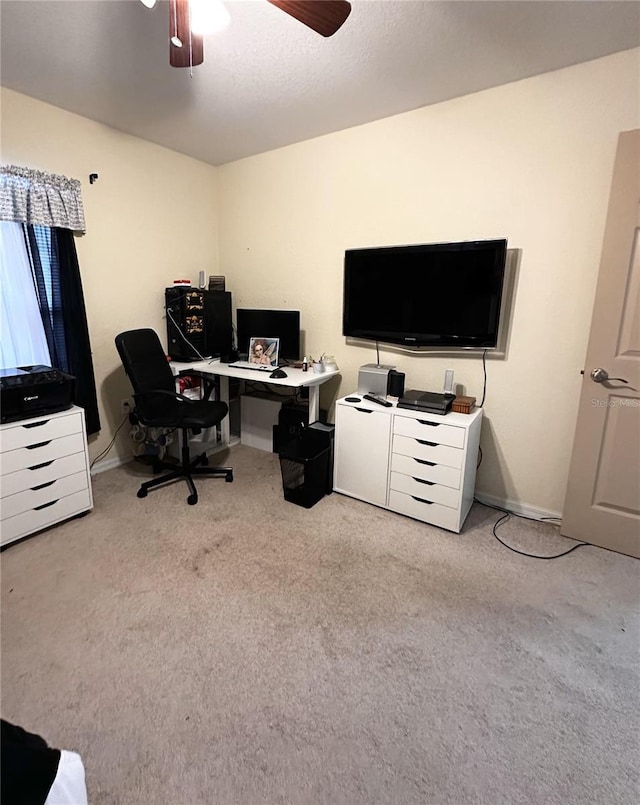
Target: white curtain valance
x=35, y=197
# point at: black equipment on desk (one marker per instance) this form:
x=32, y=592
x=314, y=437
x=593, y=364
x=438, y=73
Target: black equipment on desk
x=198, y=321
x=218, y=327
x=427, y=401
x=30, y=391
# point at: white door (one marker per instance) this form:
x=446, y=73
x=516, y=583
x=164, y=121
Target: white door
x=602, y=505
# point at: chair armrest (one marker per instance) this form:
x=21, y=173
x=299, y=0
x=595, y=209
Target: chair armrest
x=209, y=382
x=146, y=401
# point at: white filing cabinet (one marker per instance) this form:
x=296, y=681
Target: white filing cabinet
x=418, y=464
x=44, y=466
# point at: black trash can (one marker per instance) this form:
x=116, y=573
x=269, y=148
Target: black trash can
x=303, y=462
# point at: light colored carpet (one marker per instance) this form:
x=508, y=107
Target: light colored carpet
x=248, y=651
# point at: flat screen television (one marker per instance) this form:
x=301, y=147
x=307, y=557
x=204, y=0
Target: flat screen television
x=282, y=324
x=439, y=295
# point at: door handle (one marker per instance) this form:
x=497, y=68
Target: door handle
x=601, y=376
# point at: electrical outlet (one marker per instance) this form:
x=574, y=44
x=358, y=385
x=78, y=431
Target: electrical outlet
x=125, y=406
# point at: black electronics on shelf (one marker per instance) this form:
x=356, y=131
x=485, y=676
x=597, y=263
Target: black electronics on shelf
x=198, y=323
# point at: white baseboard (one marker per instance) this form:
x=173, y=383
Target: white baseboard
x=109, y=464
x=517, y=507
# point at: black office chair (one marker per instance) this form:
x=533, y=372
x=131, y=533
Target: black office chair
x=158, y=405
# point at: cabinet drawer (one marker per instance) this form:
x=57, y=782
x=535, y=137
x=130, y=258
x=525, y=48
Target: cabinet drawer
x=436, y=453
x=429, y=430
x=30, y=521
x=42, y=473
x=33, y=456
x=36, y=431
x=43, y=496
x=428, y=471
x=428, y=490
x=435, y=513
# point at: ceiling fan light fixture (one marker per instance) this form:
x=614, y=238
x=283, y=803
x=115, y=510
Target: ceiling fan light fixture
x=148, y=3
x=208, y=16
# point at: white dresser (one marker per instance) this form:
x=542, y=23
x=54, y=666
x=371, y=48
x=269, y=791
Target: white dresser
x=44, y=466
x=418, y=464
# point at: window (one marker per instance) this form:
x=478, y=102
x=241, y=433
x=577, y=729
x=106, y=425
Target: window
x=42, y=313
x=23, y=340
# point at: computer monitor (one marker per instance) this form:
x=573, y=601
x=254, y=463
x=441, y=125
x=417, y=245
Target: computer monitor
x=282, y=324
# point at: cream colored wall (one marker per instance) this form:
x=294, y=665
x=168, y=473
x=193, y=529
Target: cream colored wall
x=530, y=161
x=151, y=217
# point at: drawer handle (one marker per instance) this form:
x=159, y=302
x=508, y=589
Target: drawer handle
x=422, y=500
x=364, y=410
x=427, y=463
x=40, y=466
x=422, y=481
x=40, y=444
x=431, y=424
x=42, y=486
x=429, y=444
x=36, y=424
x=45, y=505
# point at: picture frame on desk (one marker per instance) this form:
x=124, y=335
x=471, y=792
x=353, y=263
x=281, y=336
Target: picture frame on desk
x=264, y=351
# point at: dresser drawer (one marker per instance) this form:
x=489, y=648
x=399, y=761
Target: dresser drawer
x=42, y=473
x=436, y=453
x=43, y=496
x=36, y=431
x=34, y=456
x=434, y=513
x=429, y=431
x=30, y=521
x=428, y=471
x=427, y=490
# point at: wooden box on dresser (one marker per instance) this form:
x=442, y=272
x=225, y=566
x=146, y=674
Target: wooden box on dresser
x=418, y=464
x=45, y=478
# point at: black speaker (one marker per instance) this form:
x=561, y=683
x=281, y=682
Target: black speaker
x=217, y=324
x=395, y=386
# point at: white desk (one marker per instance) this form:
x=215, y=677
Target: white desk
x=295, y=379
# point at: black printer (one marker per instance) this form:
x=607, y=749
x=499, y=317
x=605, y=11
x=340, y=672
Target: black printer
x=29, y=391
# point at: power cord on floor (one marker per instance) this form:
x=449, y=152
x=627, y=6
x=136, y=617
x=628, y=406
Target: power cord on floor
x=507, y=514
x=125, y=418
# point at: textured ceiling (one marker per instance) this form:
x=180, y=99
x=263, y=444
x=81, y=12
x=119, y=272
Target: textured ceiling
x=268, y=81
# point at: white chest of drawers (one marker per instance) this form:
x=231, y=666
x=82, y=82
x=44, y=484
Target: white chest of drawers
x=417, y=464
x=44, y=473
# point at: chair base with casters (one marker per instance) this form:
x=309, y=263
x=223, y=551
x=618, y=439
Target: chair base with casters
x=188, y=468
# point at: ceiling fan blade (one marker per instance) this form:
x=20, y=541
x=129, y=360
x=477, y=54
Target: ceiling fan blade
x=322, y=16
x=191, y=54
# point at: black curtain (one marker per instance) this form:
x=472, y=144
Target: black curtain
x=56, y=275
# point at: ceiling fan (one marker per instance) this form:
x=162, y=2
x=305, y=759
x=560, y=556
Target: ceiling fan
x=189, y=20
